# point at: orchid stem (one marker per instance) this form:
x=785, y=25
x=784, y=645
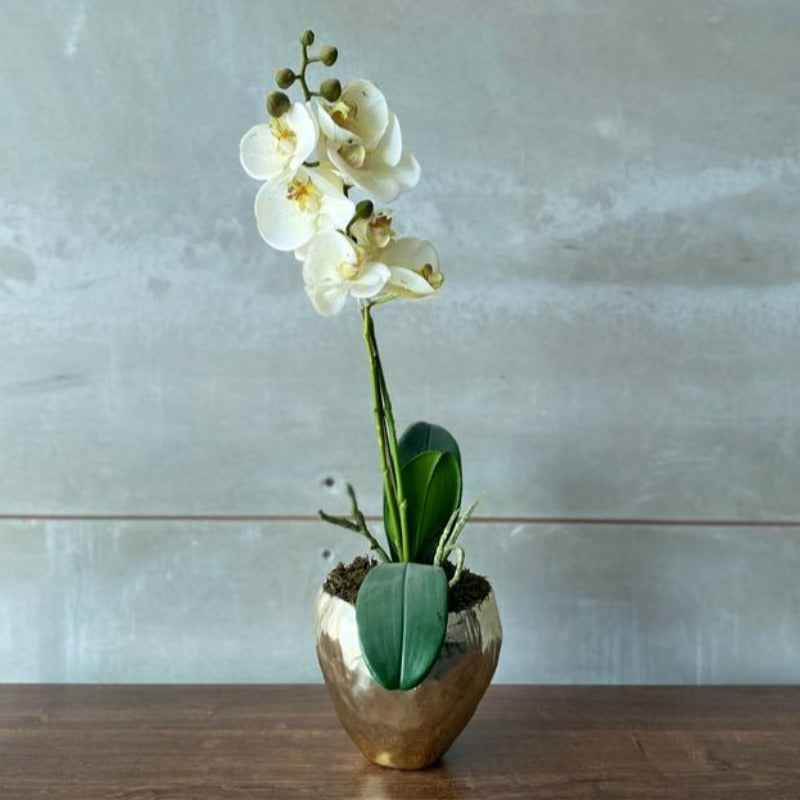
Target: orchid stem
x=402, y=503
x=390, y=480
x=301, y=76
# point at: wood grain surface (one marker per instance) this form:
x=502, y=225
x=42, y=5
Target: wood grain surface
x=282, y=742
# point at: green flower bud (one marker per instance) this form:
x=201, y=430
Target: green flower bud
x=307, y=38
x=331, y=90
x=284, y=78
x=328, y=55
x=364, y=209
x=278, y=104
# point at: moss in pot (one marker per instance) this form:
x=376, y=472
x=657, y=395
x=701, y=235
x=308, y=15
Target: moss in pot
x=407, y=639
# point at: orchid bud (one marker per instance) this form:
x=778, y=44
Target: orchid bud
x=364, y=209
x=328, y=55
x=277, y=104
x=307, y=38
x=284, y=78
x=331, y=90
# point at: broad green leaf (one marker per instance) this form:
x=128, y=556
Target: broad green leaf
x=401, y=611
x=432, y=485
x=422, y=437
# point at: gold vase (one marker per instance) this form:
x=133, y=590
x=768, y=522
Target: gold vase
x=408, y=729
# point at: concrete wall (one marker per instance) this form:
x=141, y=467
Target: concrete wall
x=614, y=190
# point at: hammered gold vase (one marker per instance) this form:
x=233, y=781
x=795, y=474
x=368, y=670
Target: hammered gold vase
x=408, y=729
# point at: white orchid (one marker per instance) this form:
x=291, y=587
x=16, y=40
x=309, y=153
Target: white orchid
x=309, y=159
x=290, y=213
x=413, y=268
x=278, y=148
x=413, y=263
x=365, y=144
x=335, y=268
x=359, y=116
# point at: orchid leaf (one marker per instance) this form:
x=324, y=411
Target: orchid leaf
x=432, y=485
x=422, y=437
x=401, y=612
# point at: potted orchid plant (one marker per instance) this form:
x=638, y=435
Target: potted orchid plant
x=407, y=638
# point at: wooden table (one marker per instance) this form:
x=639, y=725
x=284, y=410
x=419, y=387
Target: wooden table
x=284, y=742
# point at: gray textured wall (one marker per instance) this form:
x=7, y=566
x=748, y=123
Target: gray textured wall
x=614, y=190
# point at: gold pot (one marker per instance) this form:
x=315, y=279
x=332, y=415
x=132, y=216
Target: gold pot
x=408, y=729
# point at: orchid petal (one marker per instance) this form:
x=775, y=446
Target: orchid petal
x=327, y=300
x=281, y=222
x=407, y=283
x=389, y=149
x=258, y=155
x=300, y=119
x=371, y=111
x=325, y=252
x=372, y=279
x=409, y=251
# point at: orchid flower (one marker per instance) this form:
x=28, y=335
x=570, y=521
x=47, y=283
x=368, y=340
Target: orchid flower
x=335, y=268
x=365, y=144
x=291, y=212
x=278, y=148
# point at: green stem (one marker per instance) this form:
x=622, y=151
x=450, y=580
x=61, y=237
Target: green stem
x=301, y=76
x=402, y=503
x=380, y=430
x=354, y=219
x=388, y=437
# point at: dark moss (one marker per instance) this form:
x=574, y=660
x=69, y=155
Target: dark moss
x=470, y=590
x=345, y=580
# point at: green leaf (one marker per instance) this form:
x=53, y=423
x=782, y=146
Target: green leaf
x=422, y=437
x=432, y=485
x=401, y=611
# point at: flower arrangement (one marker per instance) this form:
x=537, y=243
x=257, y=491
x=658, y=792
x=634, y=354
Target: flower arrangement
x=312, y=155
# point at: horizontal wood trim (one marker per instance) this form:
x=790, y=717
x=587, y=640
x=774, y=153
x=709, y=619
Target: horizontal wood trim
x=489, y=520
